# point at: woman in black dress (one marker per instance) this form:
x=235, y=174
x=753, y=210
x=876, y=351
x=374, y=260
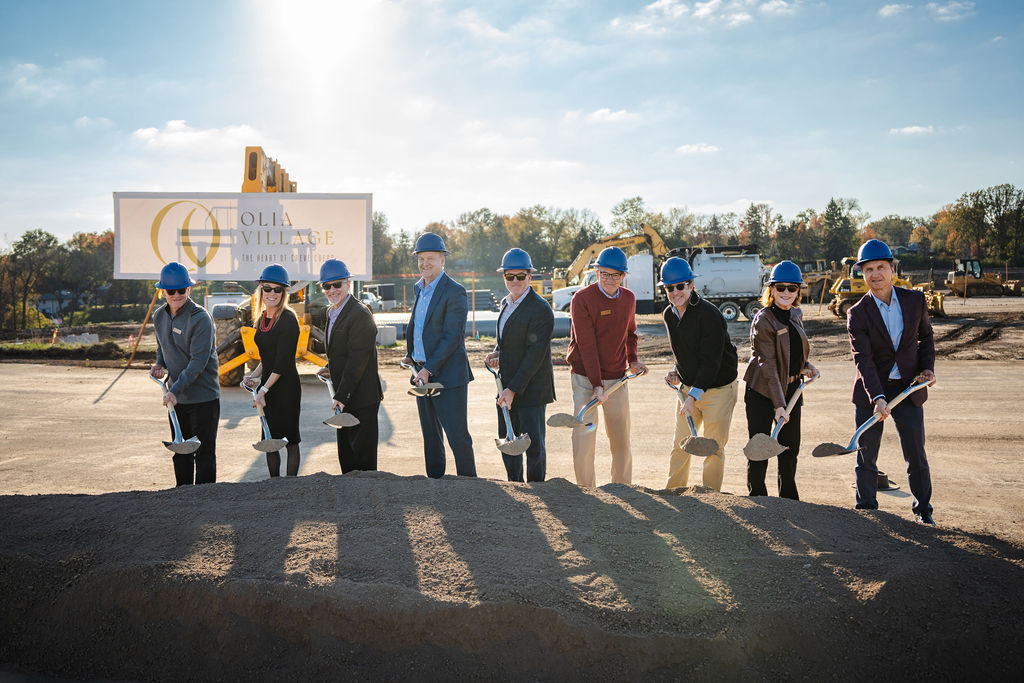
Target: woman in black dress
x=277, y=335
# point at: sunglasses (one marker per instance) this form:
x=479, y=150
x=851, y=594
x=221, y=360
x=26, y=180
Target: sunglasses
x=334, y=285
x=681, y=287
x=792, y=289
x=276, y=290
x=509, y=277
x=171, y=292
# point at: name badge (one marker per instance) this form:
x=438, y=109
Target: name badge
x=176, y=330
x=784, y=331
x=607, y=312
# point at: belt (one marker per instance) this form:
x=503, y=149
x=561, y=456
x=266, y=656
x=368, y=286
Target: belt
x=893, y=382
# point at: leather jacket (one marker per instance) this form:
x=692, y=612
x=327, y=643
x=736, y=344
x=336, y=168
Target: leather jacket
x=768, y=369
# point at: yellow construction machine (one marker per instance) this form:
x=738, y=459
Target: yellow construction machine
x=968, y=278
x=642, y=235
x=848, y=290
x=819, y=276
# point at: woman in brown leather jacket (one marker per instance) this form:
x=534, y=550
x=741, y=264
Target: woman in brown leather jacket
x=778, y=357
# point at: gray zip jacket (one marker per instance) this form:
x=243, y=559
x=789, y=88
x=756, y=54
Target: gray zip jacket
x=186, y=346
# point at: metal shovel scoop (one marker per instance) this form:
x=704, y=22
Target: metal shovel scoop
x=567, y=420
x=826, y=449
x=421, y=388
x=762, y=446
x=266, y=444
x=512, y=444
x=701, y=446
x=179, y=446
x=339, y=419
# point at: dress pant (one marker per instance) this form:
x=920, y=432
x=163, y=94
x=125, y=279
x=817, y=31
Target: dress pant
x=199, y=420
x=909, y=420
x=761, y=420
x=616, y=426
x=714, y=412
x=526, y=420
x=357, y=446
x=446, y=411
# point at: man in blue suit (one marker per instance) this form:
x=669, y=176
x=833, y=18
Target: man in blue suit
x=436, y=346
x=893, y=348
x=523, y=358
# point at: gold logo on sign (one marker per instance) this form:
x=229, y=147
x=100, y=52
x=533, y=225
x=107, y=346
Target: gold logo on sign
x=186, y=240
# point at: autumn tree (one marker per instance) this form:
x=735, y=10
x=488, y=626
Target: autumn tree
x=839, y=234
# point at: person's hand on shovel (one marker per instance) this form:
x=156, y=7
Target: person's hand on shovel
x=422, y=377
x=925, y=376
x=170, y=399
x=809, y=371
x=157, y=371
x=781, y=415
x=260, y=397
x=637, y=368
x=324, y=372
x=492, y=360
x=506, y=397
x=337, y=406
x=600, y=395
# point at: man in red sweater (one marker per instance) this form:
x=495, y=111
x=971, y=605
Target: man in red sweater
x=602, y=347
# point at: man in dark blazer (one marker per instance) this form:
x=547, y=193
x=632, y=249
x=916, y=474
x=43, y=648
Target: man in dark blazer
x=351, y=367
x=523, y=359
x=893, y=348
x=436, y=346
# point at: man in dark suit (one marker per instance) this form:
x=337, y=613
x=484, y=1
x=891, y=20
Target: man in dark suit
x=351, y=367
x=436, y=346
x=523, y=358
x=893, y=348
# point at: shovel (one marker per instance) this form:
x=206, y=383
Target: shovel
x=339, y=419
x=179, y=446
x=512, y=444
x=421, y=389
x=826, y=449
x=701, y=446
x=267, y=444
x=567, y=420
x=762, y=446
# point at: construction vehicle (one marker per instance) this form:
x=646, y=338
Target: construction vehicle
x=543, y=284
x=730, y=276
x=968, y=278
x=236, y=345
x=643, y=236
x=848, y=290
x=819, y=276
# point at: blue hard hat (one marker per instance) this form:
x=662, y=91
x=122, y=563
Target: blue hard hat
x=174, y=276
x=873, y=250
x=429, y=241
x=275, y=273
x=786, y=271
x=516, y=259
x=332, y=270
x=614, y=258
x=674, y=271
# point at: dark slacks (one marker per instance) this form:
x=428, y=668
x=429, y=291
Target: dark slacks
x=446, y=411
x=357, y=446
x=526, y=420
x=909, y=420
x=760, y=420
x=199, y=420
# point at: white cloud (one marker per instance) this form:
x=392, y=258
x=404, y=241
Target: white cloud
x=177, y=137
x=604, y=115
x=951, y=11
x=912, y=130
x=668, y=8
x=777, y=7
x=997, y=39
x=472, y=22
x=703, y=10
x=48, y=83
x=892, y=10
x=697, y=148
x=738, y=18
x=90, y=123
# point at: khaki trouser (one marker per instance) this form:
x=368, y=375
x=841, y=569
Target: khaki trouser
x=616, y=426
x=714, y=412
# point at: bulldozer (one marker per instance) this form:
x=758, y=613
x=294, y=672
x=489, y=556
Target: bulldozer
x=819, y=276
x=848, y=290
x=968, y=278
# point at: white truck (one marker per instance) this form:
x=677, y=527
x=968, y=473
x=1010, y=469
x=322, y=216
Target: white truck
x=730, y=277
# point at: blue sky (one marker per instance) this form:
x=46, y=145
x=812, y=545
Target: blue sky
x=443, y=107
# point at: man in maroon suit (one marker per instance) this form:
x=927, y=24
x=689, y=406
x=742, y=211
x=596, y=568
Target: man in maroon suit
x=893, y=348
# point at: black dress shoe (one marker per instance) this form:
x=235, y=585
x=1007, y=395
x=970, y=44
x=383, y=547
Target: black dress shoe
x=924, y=518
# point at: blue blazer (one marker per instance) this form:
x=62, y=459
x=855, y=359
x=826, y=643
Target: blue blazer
x=873, y=353
x=444, y=334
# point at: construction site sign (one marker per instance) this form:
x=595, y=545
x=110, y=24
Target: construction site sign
x=234, y=236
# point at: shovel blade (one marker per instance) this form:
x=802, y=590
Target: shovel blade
x=762, y=447
x=270, y=445
x=825, y=450
x=186, y=447
x=701, y=446
x=516, y=446
x=428, y=389
x=342, y=420
x=564, y=420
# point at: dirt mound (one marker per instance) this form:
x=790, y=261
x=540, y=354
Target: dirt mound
x=375, y=576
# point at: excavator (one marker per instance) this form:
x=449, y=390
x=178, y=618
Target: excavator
x=968, y=274
x=646, y=237
x=849, y=289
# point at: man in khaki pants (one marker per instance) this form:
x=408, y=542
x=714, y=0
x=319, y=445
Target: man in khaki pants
x=706, y=365
x=602, y=347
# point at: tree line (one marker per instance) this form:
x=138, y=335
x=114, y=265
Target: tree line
x=986, y=224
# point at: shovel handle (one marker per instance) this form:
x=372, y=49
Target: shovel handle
x=178, y=438
x=608, y=392
x=792, y=402
x=682, y=399
x=874, y=418
x=509, y=432
x=412, y=370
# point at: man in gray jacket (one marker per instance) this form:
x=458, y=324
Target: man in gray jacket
x=187, y=352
